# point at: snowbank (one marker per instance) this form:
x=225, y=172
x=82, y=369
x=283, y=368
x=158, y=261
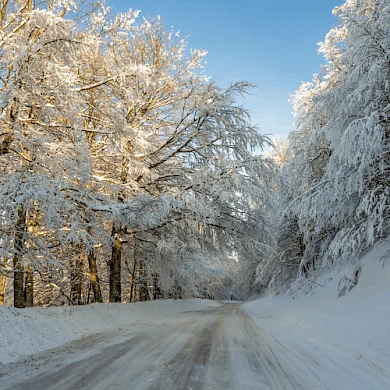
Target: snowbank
x=25, y=332
x=356, y=324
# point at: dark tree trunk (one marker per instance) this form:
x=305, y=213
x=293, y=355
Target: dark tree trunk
x=19, y=295
x=156, y=289
x=132, y=287
x=77, y=281
x=115, y=266
x=143, y=284
x=94, y=277
x=29, y=288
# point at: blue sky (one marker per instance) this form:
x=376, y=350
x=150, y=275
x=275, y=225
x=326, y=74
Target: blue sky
x=270, y=43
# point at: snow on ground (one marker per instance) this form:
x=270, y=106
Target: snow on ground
x=341, y=343
x=355, y=326
x=25, y=332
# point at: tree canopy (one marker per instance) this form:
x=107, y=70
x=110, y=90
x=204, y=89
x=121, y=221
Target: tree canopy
x=126, y=173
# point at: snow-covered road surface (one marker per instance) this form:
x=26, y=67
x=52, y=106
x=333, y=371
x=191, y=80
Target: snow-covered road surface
x=218, y=348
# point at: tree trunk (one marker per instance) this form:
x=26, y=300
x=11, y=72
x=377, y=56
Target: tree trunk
x=3, y=282
x=156, y=289
x=77, y=282
x=29, y=287
x=132, y=287
x=32, y=228
x=19, y=295
x=115, y=266
x=143, y=283
x=94, y=277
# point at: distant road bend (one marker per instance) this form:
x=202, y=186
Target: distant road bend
x=215, y=349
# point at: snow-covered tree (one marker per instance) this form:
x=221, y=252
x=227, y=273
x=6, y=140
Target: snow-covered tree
x=115, y=144
x=340, y=153
x=172, y=132
x=41, y=154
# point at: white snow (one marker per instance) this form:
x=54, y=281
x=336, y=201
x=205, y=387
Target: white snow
x=354, y=327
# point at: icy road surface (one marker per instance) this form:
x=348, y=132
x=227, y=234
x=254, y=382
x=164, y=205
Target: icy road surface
x=219, y=348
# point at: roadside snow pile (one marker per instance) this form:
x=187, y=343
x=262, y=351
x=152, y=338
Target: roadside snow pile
x=356, y=324
x=25, y=332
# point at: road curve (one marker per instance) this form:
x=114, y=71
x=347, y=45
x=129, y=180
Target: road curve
x=216, y=349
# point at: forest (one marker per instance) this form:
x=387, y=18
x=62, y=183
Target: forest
x=127, y=174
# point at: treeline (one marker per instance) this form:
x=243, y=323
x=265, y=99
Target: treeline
x=125, y=173
x=334, y=190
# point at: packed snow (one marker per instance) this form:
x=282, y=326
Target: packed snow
x=25, y=332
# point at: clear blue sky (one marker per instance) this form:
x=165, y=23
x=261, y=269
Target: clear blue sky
x=272, y=44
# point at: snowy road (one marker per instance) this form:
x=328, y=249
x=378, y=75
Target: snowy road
x=219, y=348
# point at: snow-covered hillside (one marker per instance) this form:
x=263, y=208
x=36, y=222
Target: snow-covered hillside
x=355, y=325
